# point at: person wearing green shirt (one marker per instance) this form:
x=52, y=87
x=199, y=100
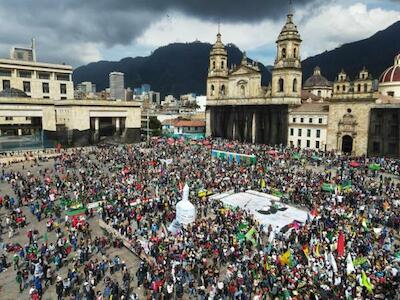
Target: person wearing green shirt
x=18, y=279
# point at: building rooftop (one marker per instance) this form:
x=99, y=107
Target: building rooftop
x=312, y=107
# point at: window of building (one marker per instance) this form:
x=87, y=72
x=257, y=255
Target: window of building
x=391, y=94
x=27, y=86
x=25, y=74
x=318, y=133
x=9, y=118
x=213, y=65
x=308, y=143
x=319, y=93
x=63, y=88
x=301, y=120
x=63, y=77
x=320, y=120
x=63, y=98
x=337, y=88
x=212, y=90
x=299, y=143
x=46, y=97
x=6, y=84
x=5, y=73
x=295, y=85
x=310, y=120
x=283, y=52
x=294, y=120
x=299, y=132
x=45, y=88
x=28, y=118
x=308, y=132
x=344, y=88
x=223, y=90
x=222, y=65
x=291, y=144
x=45, y=76
x=359, y=88
x=317, y=144
x=365, y=87
x=280, y=85
x=295, y=52
x=291, y=131
x=376, y=147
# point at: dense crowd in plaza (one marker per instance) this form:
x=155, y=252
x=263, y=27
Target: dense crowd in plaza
x=348, y=248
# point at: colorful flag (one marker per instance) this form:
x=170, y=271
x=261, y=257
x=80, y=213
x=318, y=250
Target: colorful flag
x=340, y=244
x=366, y=282
x=285, y=258
x=349, y=265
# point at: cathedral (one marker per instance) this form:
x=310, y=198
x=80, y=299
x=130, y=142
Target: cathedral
x=356, y=117
x=239, y=107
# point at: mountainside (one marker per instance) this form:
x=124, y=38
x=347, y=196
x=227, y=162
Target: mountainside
x=375, y=53
x=182, y=68
x=174, y=69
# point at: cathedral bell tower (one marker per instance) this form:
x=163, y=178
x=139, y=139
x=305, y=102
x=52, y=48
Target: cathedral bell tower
x=217, y=80
x=287, y=74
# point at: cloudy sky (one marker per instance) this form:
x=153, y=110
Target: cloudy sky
x=81, y=31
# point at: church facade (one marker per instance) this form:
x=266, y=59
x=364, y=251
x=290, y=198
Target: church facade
x=239, y=107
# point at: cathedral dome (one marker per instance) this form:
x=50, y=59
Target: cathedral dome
x=317, y=80
x=392, y=74
x=13, y=93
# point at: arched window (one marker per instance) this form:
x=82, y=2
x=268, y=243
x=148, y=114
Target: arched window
x=295, y=85
x=213, y=65
x=359, y=87
x=337, y=88
x=365, y=87
x=212, y=90
x=319, y=93
x=295, y=52
x=280, y=85
x=222, y=65
x=223, y=90
x=242, y=90
x=283, y=52
x=344, y=88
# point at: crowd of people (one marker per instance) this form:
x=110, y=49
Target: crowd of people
x=347, y=249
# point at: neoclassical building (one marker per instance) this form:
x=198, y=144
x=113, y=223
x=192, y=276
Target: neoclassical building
x=239, y=107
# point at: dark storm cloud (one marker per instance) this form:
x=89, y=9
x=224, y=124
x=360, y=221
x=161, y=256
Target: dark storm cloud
x=60, y=24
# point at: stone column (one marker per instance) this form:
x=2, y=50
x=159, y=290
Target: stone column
x=253, y=129
x=19, y=131
x=234, y=131
x=96, y=134
x=208, y=123
x=117, y=125
x=96, y=124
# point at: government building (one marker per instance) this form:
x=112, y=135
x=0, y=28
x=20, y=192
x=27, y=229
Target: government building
x=359, y=116
x=38, y=109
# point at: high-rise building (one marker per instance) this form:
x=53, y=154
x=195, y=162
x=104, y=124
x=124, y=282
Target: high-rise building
x=117, y=90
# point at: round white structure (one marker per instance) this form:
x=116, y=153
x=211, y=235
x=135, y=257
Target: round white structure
x=185, y=211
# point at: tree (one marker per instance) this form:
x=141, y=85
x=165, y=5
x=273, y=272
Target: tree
x=155, y=126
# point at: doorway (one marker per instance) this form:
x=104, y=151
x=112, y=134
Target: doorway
x=347, y=144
